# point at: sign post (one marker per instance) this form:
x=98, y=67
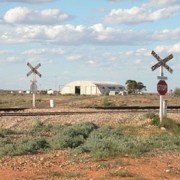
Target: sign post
x=161, y=86
x=33, y=86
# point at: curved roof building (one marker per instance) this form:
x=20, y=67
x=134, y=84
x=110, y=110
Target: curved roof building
x=91, y=88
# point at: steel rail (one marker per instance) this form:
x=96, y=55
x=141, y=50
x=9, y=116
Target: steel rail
x=76, y=113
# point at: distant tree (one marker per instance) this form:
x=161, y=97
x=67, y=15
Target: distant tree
x=134, y=87
x=141, y=87
x=131, y=86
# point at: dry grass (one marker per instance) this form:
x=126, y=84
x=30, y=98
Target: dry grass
x=25, y=100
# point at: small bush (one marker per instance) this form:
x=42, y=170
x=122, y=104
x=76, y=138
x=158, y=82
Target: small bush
x=72, y=136
x=107, y=103
x=171, y=125
x=38, y=127
x=154, y=118
x=102, y=143
x=24, y=146
x=5, y=132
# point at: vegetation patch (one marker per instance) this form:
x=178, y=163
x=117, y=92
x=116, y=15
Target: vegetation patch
x=171, y=125
x=101, y=142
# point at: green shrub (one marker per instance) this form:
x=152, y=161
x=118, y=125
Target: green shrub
x=107, y=103
x=102, y=143
x=38, y=127
x=171, y=125
x=72, y=136
x=5, y=132
x=24, y=146
x=4, y=141
x=154, y=118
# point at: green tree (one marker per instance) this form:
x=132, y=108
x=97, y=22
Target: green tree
x=141, y=87
x=131, y=86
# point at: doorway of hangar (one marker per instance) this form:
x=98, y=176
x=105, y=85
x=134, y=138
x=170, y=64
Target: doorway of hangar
x=77, y=90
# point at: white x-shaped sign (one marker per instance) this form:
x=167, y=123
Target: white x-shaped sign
x=162, y=62
x=33, y=69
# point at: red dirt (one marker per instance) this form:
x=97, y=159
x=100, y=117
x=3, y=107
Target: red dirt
x=63, y=165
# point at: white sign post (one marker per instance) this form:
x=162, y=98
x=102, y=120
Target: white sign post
x=33, y=86
x=162, y=64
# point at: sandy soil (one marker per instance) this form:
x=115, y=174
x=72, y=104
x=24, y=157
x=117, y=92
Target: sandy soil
x=63, y=164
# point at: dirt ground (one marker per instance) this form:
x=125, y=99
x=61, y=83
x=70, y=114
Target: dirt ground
x=64, y=164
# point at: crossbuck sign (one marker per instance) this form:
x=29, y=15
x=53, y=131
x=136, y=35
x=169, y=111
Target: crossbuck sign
x=33, y=69
x=162, y=85
x=162, y=62
x=33, y=86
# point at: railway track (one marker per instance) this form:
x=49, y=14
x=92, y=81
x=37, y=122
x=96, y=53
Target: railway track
x=12, y=109
x=108, y=110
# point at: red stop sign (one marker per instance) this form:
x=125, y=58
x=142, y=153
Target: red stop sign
x=162, y=87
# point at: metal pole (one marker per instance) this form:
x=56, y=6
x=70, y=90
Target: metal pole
x=161, y=99
x=34, y=96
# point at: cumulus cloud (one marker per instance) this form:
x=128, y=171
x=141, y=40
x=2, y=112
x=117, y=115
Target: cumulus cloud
x=24, y=15
x=78, y=34
x=137, y=15
x=175, y=48
x=29, y=1
x=74, y=57
x=164, y=2
x=44, y=52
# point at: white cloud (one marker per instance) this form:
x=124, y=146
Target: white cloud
x=24, y=15
x=10, y=59
x=75, y=57
x=44, y=52
x=175, y=48
x=72, y=35
x=29, y=1
x=164, y=2
x=92, y=62
x=137, y=15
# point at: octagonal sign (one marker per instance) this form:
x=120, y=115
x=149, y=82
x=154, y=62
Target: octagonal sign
x=162, y=87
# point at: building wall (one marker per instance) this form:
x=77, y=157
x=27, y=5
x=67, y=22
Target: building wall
x=91, y=88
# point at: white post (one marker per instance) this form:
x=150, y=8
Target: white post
x=34, y=96
x=34, y=100
x=161, y=99
x=165, y=108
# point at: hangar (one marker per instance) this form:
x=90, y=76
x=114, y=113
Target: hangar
x=92, y=88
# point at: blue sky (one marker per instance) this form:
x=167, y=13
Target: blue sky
x=104, y=40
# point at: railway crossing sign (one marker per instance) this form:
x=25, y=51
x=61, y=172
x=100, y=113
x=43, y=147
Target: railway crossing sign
x=162, y=62
x=162, y=87
x=33, y=86
x=33, y=69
